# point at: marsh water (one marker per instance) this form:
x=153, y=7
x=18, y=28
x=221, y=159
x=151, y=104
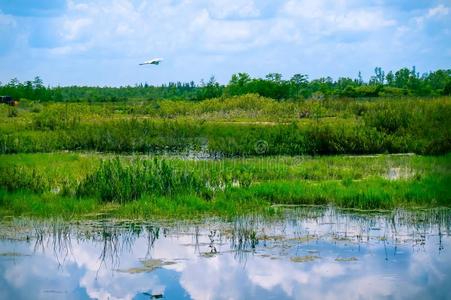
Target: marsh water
x=299, y=253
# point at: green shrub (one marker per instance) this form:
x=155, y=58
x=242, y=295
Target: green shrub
x=13, y=112
x=54, y=119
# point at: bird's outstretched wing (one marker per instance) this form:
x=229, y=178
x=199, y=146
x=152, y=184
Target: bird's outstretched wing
x=155, y=61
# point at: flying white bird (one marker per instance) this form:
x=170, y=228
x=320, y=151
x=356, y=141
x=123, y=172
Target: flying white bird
x=153, y=61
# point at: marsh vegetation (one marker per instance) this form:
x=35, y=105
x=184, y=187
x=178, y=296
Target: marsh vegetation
x=225, y=155
x=139, y=185
x=233, y=126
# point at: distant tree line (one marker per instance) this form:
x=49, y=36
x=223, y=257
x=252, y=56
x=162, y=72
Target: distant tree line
x=404, y=82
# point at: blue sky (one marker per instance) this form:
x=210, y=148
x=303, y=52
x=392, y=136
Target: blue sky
x=101, y=42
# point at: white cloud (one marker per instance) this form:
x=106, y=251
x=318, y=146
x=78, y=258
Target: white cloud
x=233, y=9
x=72, y=5
x=436, y=12
x=225, y=35
x=6, y=20
x=439, y=10
x=320, y=16
x=220, y=26
x=73, y=28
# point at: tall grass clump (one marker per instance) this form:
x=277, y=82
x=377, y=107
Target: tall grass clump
x=117, y=181
x=54, y=119
x=18, y=177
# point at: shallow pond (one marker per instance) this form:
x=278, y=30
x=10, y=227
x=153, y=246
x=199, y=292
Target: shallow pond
x=304, y=253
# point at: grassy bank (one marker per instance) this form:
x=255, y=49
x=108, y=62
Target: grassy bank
x=80, y=184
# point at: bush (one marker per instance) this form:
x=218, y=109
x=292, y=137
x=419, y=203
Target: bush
x=36, y=108
x=54, y=119
x=13, y=112
x=388, y=91
x=389, y=118
x=447, y=89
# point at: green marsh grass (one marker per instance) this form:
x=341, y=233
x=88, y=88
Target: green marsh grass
x=143, y=186
x=232, y=126
x=123, y=182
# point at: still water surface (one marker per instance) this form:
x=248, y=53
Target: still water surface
x=307, y=253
